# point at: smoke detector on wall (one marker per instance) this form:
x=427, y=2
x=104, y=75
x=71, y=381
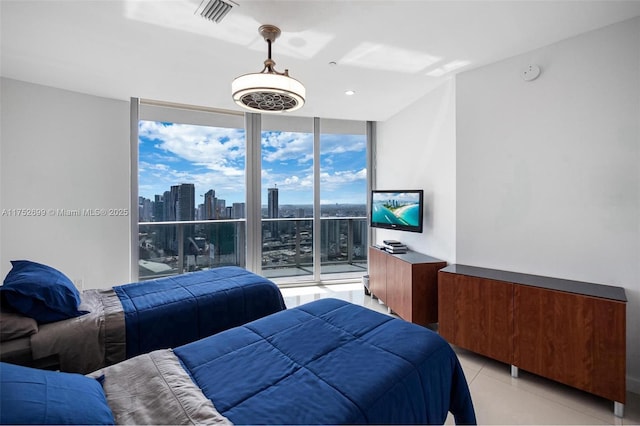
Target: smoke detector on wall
x=531, y=73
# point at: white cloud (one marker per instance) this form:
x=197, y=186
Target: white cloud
x=342, y=177
x=284, y=146
x=218, y=149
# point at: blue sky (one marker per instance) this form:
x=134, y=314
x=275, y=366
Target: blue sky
x=214, y=158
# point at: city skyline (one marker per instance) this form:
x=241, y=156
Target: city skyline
x=172, y=205
x=213, y=158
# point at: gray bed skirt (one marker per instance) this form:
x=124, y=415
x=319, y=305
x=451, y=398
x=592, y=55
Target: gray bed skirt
x=88, y=342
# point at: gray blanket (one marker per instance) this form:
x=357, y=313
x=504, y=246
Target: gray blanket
x=154, y=389
x=88, y=342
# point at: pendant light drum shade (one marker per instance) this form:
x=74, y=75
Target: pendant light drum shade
x=268, y=90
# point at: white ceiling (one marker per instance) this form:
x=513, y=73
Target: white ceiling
x=390, y=52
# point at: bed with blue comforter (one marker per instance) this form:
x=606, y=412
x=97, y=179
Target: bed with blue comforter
x=176, y=310
x=110, y=325
x=326, y=362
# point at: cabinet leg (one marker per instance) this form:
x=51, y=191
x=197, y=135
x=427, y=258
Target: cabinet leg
x=514, y=371
x=618, y=409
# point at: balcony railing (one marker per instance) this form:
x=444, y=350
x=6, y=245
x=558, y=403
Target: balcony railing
x=171, y=248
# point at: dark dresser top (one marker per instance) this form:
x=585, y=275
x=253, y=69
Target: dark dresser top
x=415, y=257
x=412, y=256
x=569, y=286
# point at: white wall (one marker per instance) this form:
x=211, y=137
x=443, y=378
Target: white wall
x=416, y=150
x=65, y=150
x=548, y=171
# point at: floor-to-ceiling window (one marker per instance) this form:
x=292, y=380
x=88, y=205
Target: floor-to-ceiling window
x=287, y=180
x=343, y=197
x=191, y=190
x=201, y=173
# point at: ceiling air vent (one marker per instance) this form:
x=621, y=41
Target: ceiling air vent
x=215, y=10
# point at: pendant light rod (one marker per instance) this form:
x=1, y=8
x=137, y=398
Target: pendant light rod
x=270, y=33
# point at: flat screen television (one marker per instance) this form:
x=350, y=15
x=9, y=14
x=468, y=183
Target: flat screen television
x=399, y=210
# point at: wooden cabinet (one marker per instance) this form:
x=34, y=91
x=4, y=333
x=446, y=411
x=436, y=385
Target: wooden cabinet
x=378, y=273
x=407, y=283
x=575, y=339
x=485, y=307
x=569, y=331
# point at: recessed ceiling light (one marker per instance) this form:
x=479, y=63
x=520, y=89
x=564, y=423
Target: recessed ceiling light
x=333, y=63
x=350, y=92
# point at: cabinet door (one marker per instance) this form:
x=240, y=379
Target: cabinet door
x=574, y=339
x=378, y=273
x=425, y=292
x=476, y=314
x=399, y=288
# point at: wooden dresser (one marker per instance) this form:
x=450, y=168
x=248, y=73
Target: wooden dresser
x=569, y=331
x=407, y=283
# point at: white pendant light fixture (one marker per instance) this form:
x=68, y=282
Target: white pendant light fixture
x=268, y=90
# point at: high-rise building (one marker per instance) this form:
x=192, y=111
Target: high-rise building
x=185, y=202
x=272, y=203
x=238, y=211
x=167, y=234
x=221, y=208
x=170, y=199
x=272, y=210
x=170, y=204
x=185, y=210
x=158, y=209
x=144, y=209
x=210, y=205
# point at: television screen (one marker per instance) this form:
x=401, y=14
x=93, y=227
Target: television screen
x=401, y=210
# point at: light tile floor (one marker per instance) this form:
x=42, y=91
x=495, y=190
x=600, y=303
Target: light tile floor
x=498, y=398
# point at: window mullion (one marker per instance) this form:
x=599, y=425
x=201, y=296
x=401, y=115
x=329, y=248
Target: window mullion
x=317, y=226
x=253, y=186
x=134, y=118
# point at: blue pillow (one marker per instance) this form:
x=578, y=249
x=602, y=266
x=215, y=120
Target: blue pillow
x=32, y=396
x=40, y=292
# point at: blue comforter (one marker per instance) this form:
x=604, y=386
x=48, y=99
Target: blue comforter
x=330, y=362
x=172, y=311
